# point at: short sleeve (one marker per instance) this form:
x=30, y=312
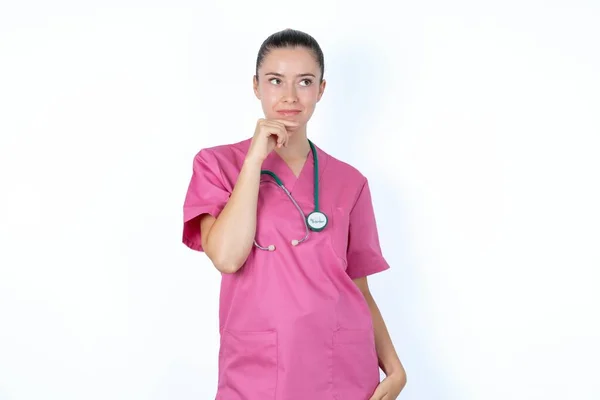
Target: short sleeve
x=206, y=194
x=364, y=251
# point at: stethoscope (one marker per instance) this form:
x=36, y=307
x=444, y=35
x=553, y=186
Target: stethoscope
x=316, y=221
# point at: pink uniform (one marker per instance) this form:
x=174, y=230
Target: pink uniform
x=293, y=325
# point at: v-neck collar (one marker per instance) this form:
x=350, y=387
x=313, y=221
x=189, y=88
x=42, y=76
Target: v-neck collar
x=303, y=185
x=275, y=163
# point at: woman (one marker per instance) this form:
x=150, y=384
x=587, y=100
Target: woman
x=293, y=233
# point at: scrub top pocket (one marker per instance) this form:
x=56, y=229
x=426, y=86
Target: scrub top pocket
x=355, y=366
x=248, y=365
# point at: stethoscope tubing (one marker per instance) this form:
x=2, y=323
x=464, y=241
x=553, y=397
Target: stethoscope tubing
x=289, y=195
x=279, y=183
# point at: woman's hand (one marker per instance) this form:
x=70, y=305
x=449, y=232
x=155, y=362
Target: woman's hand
x=390, y=387
x=268, y=134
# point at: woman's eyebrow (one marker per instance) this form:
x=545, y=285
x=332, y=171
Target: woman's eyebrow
x=297, y=76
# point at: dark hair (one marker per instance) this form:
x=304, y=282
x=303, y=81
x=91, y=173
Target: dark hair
x=290, y=38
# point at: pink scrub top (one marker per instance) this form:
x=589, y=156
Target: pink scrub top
x=293, y=325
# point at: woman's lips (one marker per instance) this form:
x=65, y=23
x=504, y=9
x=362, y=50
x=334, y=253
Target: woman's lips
x=288, y=113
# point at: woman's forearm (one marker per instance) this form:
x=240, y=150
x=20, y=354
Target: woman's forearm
x=389, y=361
x=231, y=236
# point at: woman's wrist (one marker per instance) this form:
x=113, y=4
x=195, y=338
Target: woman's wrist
x=253, y=161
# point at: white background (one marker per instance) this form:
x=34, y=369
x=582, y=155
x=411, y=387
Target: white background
x=477, y=124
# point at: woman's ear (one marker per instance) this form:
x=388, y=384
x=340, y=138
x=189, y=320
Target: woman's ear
x=321, y=89
x=255, y=86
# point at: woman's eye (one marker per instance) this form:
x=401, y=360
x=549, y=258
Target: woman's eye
x=303, y=82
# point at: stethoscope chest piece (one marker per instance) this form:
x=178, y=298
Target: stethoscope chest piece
x=317, y=221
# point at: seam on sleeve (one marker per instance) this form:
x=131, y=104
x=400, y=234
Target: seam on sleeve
x=215, y=161
x=218, y=165
x=358, y=194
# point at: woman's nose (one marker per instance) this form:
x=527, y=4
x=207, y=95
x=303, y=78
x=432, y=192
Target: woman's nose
x=289, y=93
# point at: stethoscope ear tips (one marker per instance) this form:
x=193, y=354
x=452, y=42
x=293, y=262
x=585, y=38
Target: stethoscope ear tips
x=272, y=247
x=295, y=242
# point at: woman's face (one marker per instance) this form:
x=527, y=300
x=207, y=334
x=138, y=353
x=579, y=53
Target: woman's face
x=288, y=84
